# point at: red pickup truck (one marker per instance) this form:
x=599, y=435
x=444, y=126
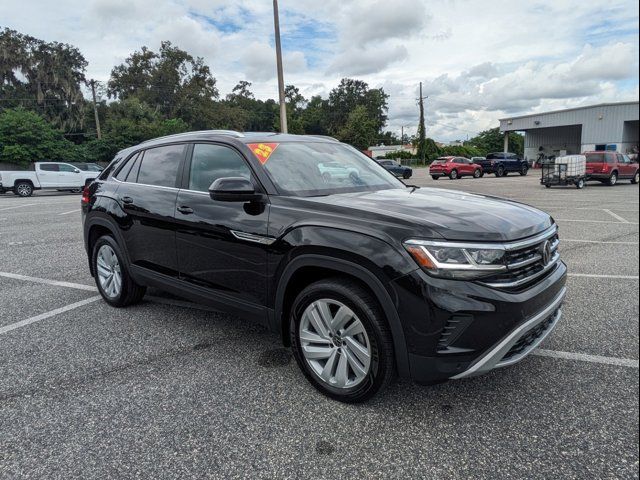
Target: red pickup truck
x=609, y=167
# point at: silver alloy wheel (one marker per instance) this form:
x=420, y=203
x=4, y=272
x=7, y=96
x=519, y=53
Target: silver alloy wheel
x=614, y=179
x=335, y=343
x=24, y=190
x=454, y=174
x=109, y=274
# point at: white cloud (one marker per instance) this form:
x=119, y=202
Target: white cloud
x=364, y=61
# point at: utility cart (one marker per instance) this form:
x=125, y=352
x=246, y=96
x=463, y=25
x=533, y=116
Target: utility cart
x=566, y=170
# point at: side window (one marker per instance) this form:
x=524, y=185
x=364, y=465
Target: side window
x=621, y=159
x=49, y=167
x=211, y=162
x=126, y=168
x=611, y=158
x=160, y=165
x=67, y=168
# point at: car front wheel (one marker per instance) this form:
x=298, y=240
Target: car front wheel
x=112, y=277
x=341, y=341
x=636, y=178
x=524, y=170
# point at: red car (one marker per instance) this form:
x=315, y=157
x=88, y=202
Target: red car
x=454, y=167
x=609, y=167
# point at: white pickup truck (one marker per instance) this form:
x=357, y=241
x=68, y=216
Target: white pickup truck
x=47, y=175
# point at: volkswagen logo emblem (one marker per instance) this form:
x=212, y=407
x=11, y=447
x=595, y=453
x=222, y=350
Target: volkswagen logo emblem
x=546, y=252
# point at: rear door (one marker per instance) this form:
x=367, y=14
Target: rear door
x=47, y=174
x=147, y=195
x=222, y=246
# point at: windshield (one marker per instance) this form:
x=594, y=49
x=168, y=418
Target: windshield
x=314, y=169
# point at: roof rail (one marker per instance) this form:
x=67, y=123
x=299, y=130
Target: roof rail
x=230, y=133
x=326, y=137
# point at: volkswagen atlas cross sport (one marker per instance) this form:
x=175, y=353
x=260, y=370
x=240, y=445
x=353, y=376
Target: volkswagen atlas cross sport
x=363, y=276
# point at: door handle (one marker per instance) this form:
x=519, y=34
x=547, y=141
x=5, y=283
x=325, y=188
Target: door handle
x=127, y=200
x=185, y=210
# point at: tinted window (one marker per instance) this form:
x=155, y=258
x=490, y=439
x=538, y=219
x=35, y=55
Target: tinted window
x=595, y=158
x=621, y=159
x=211, y=162
x=125, y=169
x=160, y=166
x=49, y=167
x=493, y=156
x=67, y=168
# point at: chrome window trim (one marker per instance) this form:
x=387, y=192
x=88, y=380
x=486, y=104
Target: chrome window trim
x=493, y=357
x=146, y=185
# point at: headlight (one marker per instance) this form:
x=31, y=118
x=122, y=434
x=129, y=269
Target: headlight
x=457, y=260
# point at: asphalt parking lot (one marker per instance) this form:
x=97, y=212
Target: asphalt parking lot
x=168, y=389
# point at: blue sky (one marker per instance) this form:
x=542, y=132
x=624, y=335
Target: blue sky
x=478, y=60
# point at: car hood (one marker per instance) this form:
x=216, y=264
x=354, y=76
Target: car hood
x=450, y=214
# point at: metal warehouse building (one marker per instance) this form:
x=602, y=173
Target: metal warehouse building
x=609, y=126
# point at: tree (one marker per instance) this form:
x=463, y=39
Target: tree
x=493, y=141
x=171, y=81
x=353, y=93
x=27, y=137
x=360, y=129
x=422, y=131
x=50, y=80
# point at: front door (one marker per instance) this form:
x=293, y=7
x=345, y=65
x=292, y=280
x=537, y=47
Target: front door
x=627, y=168
x=222, y=246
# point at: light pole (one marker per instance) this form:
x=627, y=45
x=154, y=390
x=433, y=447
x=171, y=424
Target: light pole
x=283, y=105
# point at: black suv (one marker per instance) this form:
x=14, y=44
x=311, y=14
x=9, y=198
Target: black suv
x=503, y=163
x=363, y=276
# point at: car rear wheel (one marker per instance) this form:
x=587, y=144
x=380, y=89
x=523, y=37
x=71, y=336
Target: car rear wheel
x=23, y=189
x=580, y=184
x=453, y=175
x=500, y=171
x=613, y=179
x=112, y=277
x=341, y=341
x=435, y=177
x=636, y=178
x=477, y=173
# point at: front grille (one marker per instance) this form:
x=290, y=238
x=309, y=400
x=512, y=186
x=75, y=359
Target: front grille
x=528, y=339
x=526, y=266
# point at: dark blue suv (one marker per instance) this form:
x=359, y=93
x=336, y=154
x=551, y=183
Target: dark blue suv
x=502, y=163
x=397, y=169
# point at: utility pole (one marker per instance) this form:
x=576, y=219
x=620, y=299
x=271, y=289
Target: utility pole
x=95, y=108
x=283, y=105
x=422, y=134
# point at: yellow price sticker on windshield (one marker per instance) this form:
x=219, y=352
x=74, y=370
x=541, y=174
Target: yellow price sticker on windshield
x=263, y=150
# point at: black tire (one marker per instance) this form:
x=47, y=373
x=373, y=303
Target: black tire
x=435, y=177
x=500, y=172
x=365, y=306
x=524, y=170
x=548, y=186
x=477, y=173
x=613, y=179
x=454, y=174
x=636, y=178
x=23, y=189
x=130, y=293
x=406, y=175
x=580, y=184
x=481, y=174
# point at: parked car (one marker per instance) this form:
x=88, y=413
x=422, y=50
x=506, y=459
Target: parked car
x=89, y=167
x=609, y=167
x=477, y=159
x=364, y=280
x=454, y=168
x=501, y=164
x=334, y=170
x=47, y=175
x=397, y=169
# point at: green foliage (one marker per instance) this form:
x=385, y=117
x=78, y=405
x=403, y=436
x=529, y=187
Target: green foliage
x=26, y=137
x=460, y=151
x=492, y=140
x=360, y=129
x=50, y=81
x=399, y=155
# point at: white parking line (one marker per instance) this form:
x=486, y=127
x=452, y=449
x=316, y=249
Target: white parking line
x=600, y=242
x=583, y=357
x=590, y=275
x=52, y=313
x=45, y=281
x=17, y=206
x=616, y=216
x=70, y=211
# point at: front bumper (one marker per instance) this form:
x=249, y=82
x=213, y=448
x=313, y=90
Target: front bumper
x=531, y=334
x=455, y=329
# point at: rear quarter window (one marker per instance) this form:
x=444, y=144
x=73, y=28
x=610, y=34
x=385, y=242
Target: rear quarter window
x=160, y=165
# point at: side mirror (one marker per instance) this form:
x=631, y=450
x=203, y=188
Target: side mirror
x=233, y=189
x=76, y=170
